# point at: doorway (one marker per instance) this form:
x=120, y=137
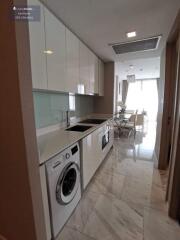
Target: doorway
x=170, y=135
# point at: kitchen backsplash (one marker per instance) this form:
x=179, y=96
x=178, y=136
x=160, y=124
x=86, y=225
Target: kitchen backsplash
x=50, y=107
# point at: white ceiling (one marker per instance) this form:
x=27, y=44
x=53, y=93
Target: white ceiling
x=100, y=22
x=147, y=68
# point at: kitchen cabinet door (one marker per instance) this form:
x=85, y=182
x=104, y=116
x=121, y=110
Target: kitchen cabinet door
x=37, y=48
x=101, y=78
x=93, y=69
x=84, y=85
x=72, y=50
x=96, y=86
x=91, y=155
x=56, y=52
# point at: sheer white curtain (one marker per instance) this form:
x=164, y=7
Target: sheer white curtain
x=143, y=96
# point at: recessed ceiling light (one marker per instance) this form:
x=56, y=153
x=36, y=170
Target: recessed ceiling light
x=48, y=52
x=131, y=34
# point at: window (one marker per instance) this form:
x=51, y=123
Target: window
x=143, y=96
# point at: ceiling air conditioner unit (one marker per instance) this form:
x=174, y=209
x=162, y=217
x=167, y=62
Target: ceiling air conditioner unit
x=137, y=45
x=131, y=78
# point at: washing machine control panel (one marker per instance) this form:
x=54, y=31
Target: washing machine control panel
x=74, y=149
x=70, y=154
x=67, y=156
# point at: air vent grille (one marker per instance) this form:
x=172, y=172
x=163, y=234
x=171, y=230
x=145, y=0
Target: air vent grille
x=136, y=46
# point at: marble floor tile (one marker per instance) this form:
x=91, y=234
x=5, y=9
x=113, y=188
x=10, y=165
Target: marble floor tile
x=71, y=234
x=107, y=183
x=141, y=170
x=115, y=166
x=157, y=198
x=136, y=193
x=158, y=226
x=141, y=147
x=82, y=212
x=113, y=219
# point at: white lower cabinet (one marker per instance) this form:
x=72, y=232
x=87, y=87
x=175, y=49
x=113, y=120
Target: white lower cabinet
x=92, y=153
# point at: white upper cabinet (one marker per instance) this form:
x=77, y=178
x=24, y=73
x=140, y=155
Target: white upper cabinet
x=93, y=69
x=37, y=48
x=101, y=78
x=89, y=76
x=84, y=83
x=72, y=50
x=56, y=52
x=96, y=86
x=59, y=60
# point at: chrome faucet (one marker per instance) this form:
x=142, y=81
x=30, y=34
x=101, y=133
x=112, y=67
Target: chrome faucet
x=67, y=118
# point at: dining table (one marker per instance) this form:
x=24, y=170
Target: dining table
x=120, y=120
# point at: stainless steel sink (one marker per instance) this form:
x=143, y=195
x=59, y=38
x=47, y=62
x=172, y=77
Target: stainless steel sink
x=93, y=121
x=79, y=128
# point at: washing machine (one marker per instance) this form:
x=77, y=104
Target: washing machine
x=64, y=186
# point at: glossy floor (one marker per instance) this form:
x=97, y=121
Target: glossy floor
x=125, y=200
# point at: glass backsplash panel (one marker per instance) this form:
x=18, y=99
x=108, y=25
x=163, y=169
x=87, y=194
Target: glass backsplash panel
x=50, y=107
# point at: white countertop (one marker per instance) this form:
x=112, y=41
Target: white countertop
x=55, y=142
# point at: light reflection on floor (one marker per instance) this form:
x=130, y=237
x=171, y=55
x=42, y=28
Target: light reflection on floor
x=142, y=147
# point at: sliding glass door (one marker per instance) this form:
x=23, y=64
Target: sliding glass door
x=143, y=96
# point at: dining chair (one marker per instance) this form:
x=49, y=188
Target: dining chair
x=140, y=120
x=130, y=125
x=117, y=125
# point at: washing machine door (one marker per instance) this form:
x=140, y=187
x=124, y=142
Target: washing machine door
x=68, y=184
